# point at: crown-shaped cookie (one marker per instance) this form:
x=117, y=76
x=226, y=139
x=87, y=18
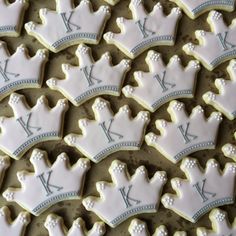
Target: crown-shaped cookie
x=197, y=7
x=19, y=70
x=202, y=190
x=48, y=185
x=220, y=225
x=126, y=196
x=112, y=2
x=145, y=30
x=90, y=78
x=217, y=46
x=225, y=100
x=69, y=25
x=185, y=134
x=109, y=133
x=11, y=17
x=56, y=227
x=163, y=82
x=229, y=150
x=30, y=125
x=13, y=228
x=139, y=228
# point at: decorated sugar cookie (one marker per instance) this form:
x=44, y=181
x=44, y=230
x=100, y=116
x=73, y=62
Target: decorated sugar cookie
x=126, y=196
x=109, y=132
x=19, y=70
x=30, y=125
x=225, y=100
x=48, y=185
x=197, y=7
x=112, y=2
x=229, y=150
x=11, y=26
x=69, y=25
x=163, y=82
x=56, y=227
x=145, y=30
x=4, y=164
x=217, y=46
x=185, y=134
x=202, y=190
x=91, y=78
x=220, y=225
x=13, y=228
x=139, y=228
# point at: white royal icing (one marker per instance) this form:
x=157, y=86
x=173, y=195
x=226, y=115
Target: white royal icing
x=112, y=2
x=30, y=125
x=217, y=46
x=225, y=100
x=197, y=7
x=47, y=185
x=69, y=25
x=139, y=228
x=56, y=227
x=229, y=150
x=163, y=82
x=126, y=196
x=13, y=228
x=11, y=17
x=220, y=225
x=186, y=133
x=202, y=190
x=91, y=78
x=145, y=30
x=109, y=133
x=19, y=70
x=4, y=164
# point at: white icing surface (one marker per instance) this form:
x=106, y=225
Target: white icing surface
x=47, y=185
x=19, y=70
x=200, y=192
x=163, y=82
x=145, y=30
x=197, y=7
x=69, y=25
x=214, y=47
x=30, y=125
x=225, y=100
x=112, y=2
x=13, y=228
x=11, y=26
x=90, y=78
x=186, y=133
x=220, y=225
x=56, y=227
x=229, y=150
x=139, y=228
x=109, y=133
x=126, y=196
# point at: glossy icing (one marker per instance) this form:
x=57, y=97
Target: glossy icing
x=4, y=164
x=47, y=185
x=90, y=78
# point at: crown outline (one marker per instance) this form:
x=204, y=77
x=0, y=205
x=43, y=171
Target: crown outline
x=224, y=100
x=48, y=188
x=128, y=204
x=55, y=226
x=197, y=8
x=67, y=17
x=186, y=135
x=11, y=79
x=107, y=128
x=138, y=29
x=221, y=38
x=10, y=227
x=199, y=186
x=168, y=85
x=220, y=224
x=139, y=228
x=22, y=125
x=11, y=26
x=83, y=77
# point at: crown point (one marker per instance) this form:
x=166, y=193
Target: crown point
x=100, y=104
x=176, y=183
x=209, y=96
x=118, y=167
x=177, y=11
x=42, y=53
x=88, y=203
x=167, y=200
x=120, y=20
x=106, y=10
x=212, y=163
x=142, y=170
x=37, y=155
x=220, y=216
x=128, y=89
x=175, y=58
x=83, y=123
x=138, y=228
x=189, y=47
x=84, y=163
x=195, y=64
x=176, y=106
x=200, y=33
x=51, y=223
x=63, y=103
x=215, y=15
x=85, y=2
x=109, y=36
x=154, y=56
x=125, y=109
x=151, y=138
x=144, y=116
x=162, y=176
x=217, y=116
x=21, y=176
x=14, y=98
x=126, y=63
x=220, y=82
x=51, y=82
x=136, y=2
x=232, y=167
x=158, y=6
x=229, y=150
x=43, y=11
x=30, y=26
x=9, y=196
x=24, y=218
x=107, y=56
x=198, y=109
x=100, y=186
x=63, y=157
x=82, y=49
x=189, y=163
x=70, y=139
x=66, y=67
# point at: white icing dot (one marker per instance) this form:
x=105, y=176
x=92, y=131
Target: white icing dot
x=142, y=170
x=31, y=25
x=86, y=2
x=37, y=156
x=190, y=46
x=176, y=58
x=177, y=183
x=63, y=102
x=189, y=164
x=101, y=186
x=162, y=177
x=9, y=196
x=118, y=168
x=52, y=82
x=211, y=96
x=99, y=229
x=232, y=168
x=120, y=20
x=77, y=224
x=216, y=15
x=230, y=149
x=138, y=228
x=107, y=56
x=158, y=6
x=83, y=164
x=177, y=106
x=202, y=32
x=221, y=82
x=14, y=99
x=126, y=63
x=51, y=224
x=153, y=56
x=66, y=67
x=44, y=11
x=195, y=64
x=136, y=2
x=177, y=10
x=162, y=232
x=63, y=157
x=71, y=139
x=2, y=162
x=144, y=116
x=105, y=9
x=168, y=201
x=100, y=105
x=89, y=204
x=199, y=109
x=82, y=49
x=220, y=216
x=213, y=164
x=218, y=116
x=129, y=89
x=84, y=122
x=109, y=35
x=23, y=219
x=125, y=109
x=152, y=137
